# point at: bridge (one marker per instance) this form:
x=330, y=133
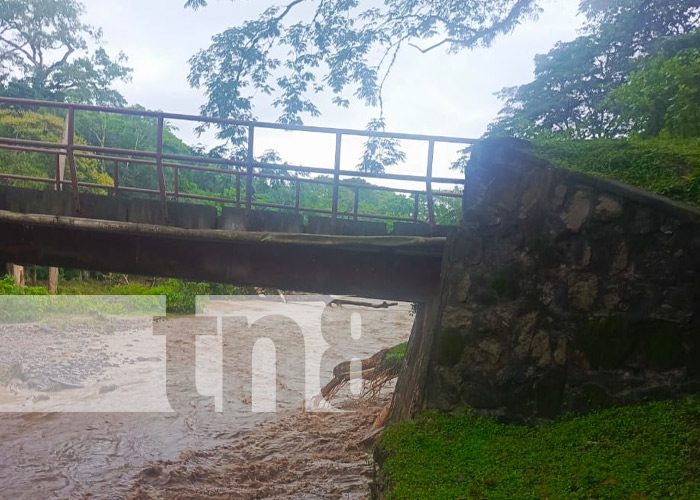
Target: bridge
x=562, y=291
x=63, y=219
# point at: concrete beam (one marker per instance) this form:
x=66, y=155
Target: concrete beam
x=388, y=267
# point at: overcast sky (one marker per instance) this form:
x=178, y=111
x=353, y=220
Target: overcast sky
x=435, y=93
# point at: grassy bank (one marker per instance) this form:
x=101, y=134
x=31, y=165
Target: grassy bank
x=650, y=451
x=669, y=167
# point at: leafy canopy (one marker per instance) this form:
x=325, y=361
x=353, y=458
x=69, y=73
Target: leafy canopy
x=569, y=95
x=347, y=47
x=44, y=54
x=662, y=95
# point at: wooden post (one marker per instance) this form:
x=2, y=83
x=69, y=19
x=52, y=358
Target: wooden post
x=53, y=280
x=17, y=273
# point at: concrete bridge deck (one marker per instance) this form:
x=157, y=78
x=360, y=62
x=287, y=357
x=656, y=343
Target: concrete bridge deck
x=390, y=267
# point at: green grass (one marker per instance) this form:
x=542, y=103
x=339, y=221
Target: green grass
x=397, y=353
x=650, y=451
x=669, y=167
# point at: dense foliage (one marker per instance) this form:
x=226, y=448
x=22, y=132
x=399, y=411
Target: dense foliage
x=648, y=451
x=663, y=166
x=571, y=95
x=662, y=94
x=41, y=127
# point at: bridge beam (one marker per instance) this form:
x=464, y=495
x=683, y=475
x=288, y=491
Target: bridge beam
x=399, y=268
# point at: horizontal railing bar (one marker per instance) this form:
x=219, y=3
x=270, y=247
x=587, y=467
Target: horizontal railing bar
x=28, y=178
x=100, y=149
x=399, y=177
x=29, y=149
x=240, y=123
x=227, y=200
x=51, y=145
x=121, y=159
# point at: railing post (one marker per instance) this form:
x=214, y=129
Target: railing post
x=71, y=158
x=238, y=189
x=176, y=182
x=416, y=202
x=116, y=177
x=336, y=175
x=57, y=172
x=429, y=183
x=356, y=203
x=249, y=173
x=159, y=167
x=297, y=195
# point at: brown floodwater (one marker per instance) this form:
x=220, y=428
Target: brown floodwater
x=97, y=410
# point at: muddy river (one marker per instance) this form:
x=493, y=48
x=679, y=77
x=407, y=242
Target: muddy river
x=220, y=405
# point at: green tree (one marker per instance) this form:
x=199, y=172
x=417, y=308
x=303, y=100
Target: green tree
x=113, y=130
x=44, y=54
x=41, y=127
x=662, y=96
x=345, y=47
x=568, y=97
x=380, y=152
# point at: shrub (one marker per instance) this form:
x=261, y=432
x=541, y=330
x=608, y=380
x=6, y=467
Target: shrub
x=8, y=287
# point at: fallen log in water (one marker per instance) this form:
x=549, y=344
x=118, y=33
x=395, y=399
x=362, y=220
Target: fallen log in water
x=347, y=302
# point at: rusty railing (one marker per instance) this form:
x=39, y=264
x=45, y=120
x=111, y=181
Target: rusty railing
x=249, y=168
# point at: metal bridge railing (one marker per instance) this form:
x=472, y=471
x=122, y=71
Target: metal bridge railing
x=244, y=171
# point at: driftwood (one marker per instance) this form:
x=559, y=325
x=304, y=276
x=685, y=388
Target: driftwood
x=347, y=302
x=377, y=371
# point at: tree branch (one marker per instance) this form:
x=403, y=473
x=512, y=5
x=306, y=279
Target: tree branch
x=19, y=48
x=60, y=62
x=497, y=27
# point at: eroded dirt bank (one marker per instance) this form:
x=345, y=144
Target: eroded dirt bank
x=86, y=413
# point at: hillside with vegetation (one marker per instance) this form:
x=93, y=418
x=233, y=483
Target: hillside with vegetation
x=666, y=166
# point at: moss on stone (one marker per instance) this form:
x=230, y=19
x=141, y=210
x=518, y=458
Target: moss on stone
x=507, y=289
x=450, y=345
x=606, y=342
